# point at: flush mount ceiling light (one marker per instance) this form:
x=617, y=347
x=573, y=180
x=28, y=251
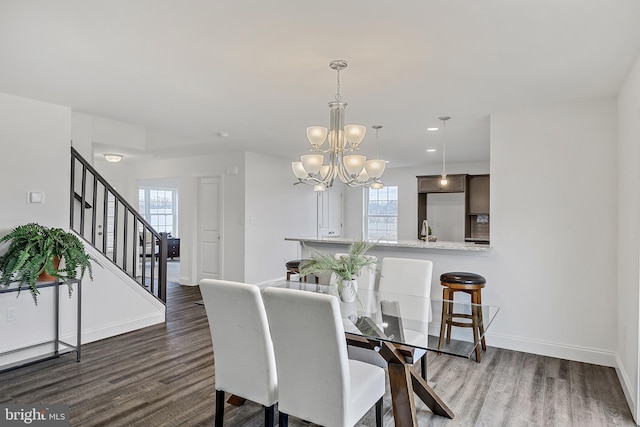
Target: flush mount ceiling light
x=354, y=170
x=443, y=177
x=113, y=158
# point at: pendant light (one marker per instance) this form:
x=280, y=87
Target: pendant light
x=443, y=176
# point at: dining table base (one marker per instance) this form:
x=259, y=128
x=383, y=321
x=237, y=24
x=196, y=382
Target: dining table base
x=405, y=382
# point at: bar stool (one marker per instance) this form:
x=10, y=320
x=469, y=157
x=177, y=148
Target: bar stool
x=293, y=267
x=471, y=284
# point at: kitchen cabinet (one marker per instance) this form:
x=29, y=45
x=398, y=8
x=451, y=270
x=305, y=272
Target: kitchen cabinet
x=477, y=209
x=478, y=194
x=431, y=184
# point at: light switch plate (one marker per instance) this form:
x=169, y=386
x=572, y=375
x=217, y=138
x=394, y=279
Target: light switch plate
x=35, y=197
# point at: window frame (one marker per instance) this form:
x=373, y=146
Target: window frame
x=146, y=211
x=367, y=214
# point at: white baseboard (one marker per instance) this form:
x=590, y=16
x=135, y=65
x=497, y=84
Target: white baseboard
x=627, y=388
x=128, y=325
x=553, y=349
x=186, y=281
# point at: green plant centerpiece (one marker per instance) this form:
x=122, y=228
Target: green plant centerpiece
x=346, y=268
x=34, y=249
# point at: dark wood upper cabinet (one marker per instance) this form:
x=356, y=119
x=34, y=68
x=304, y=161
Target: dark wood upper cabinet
x=478, y=194
x=431, y=184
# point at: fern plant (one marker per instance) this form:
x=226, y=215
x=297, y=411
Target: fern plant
x=345, y=267
x=31, y=251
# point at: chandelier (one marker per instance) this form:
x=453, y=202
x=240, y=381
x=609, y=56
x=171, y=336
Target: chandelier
x=353, y=169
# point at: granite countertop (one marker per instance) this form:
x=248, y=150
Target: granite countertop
x=417, y=244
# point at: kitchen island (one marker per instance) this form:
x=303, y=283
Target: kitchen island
x=407, y=244
x=446, y=256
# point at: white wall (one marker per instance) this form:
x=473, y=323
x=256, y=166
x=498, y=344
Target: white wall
x=628, y=266
x=35, y=142
x=274, y=209
x=36, y=157
x=553, y=230
x=82, y=134
x=553, y=226
x=446, y=215
x=187, y=171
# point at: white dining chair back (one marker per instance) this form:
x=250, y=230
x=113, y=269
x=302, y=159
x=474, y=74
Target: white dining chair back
x=317, y=381
x=244, y=359
x=405, y=277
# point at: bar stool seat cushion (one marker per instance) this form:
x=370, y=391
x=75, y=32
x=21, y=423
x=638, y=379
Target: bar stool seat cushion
x=462, y=278
x=294, y=264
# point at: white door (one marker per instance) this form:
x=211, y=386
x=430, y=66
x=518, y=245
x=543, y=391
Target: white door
x=330, y=212
x=209, y=248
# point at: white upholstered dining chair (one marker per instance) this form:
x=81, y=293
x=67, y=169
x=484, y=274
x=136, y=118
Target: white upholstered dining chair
x=317, y=382
x=243, y=354
x=406, y=277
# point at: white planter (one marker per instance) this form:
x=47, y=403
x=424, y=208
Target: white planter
x=348, y=290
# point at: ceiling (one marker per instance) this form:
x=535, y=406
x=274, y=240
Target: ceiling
x=258, y=71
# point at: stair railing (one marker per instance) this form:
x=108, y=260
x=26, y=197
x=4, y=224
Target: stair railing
x=111, y=225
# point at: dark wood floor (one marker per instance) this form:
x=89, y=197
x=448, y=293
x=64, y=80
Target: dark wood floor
x=164, y=376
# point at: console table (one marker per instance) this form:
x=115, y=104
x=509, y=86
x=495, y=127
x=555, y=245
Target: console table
x=59, y=347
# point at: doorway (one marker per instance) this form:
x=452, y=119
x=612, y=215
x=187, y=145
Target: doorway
x=208, y=229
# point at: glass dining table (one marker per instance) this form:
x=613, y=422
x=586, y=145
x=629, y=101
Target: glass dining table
x=395, y=325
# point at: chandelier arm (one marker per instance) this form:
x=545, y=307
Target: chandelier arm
x=320, y=150
x=312, y=180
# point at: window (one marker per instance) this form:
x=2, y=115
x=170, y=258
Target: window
x=382, y=214
x=159, y=208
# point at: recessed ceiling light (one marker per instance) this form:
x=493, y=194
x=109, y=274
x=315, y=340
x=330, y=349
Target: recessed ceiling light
x=433, y=129
x=431, y=150
x=223, y=134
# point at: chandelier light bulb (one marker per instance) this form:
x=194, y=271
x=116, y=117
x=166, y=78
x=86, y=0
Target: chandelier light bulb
x=312, y=163
x=317, y=135
x=298, y=170
x=355, y=134
x=375, y=168
x=354, y=163
x=324, y=171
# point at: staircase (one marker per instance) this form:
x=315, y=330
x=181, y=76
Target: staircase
x=101, y=216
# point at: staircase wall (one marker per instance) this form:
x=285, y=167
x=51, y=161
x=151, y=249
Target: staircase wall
x=36, y=140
